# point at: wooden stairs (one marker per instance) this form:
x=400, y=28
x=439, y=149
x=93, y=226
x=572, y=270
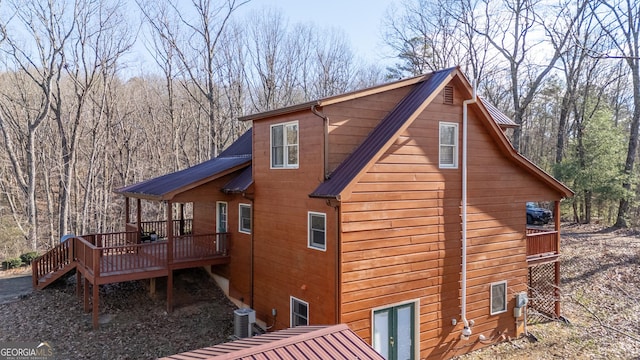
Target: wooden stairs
x=52, y=265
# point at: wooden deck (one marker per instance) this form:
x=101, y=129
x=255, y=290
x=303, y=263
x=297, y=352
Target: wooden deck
x=116, y=257
x=543, y=246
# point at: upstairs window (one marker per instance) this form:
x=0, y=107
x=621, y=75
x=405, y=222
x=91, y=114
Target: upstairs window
x=317, y=231
x=448, y=145
x=284, y=145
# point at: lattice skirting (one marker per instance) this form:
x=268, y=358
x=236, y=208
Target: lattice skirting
x=543, y=292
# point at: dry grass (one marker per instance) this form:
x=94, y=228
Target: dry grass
x=600, y=298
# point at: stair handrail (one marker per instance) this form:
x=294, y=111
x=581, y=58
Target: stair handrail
x=54, y=259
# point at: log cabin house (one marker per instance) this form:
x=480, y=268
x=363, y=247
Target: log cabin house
x=398, y=210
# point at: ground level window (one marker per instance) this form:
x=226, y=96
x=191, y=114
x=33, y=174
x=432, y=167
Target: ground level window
x=299, y=312
x=498, y=297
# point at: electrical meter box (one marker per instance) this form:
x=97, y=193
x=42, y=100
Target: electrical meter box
x=521, y=299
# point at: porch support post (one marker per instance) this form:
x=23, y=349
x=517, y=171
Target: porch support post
x=139, y=215
x=170, y=253
x=181, y=218
x=152, y=286
x=557, y=263
x=127, y=210
x=96, y=300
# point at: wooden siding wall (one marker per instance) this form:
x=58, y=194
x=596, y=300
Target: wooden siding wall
x=284, y=265
x=350, y=122
x=204, y=198
x=401, y=234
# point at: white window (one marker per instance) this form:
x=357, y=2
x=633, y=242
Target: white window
x=448, y=145
x=317, y=230
x=299, y=312
x=245, y=219
x=498, y=297
x=284, y=145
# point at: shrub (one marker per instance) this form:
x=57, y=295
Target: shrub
x=27, y=258
x=12, y=263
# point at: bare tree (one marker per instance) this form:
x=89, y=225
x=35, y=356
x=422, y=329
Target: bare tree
x=620, y=19
x=510, y=28
x=46, y=28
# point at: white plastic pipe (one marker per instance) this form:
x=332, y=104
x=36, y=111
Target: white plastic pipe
x=467, y=330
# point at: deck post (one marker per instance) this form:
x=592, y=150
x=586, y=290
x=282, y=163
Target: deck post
x=152, y=286
x=85, y=301
x=96, y=300
x=557, y=263
x=170, y=250
x=170, y=291
x=78, y=283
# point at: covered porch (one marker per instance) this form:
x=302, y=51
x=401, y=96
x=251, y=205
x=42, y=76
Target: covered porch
x=543, y=261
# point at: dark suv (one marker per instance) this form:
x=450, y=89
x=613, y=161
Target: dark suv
x=536, y=214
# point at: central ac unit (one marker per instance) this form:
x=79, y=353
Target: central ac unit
x=243, y=321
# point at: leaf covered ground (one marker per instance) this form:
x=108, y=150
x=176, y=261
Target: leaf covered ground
x=600, y=298
x=137, y=324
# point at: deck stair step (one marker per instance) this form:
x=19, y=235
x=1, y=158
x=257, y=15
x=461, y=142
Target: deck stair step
x=51, y=277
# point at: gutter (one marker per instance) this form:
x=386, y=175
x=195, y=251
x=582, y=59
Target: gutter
x=466, y=331
x=325, y=120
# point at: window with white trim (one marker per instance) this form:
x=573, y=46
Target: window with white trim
x=299, y=312
x=498, y=297
x=448, y=141
x=317, y=236
x=284, y=145
x=245, y=219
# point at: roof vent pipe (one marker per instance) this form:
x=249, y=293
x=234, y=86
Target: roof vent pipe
x=466, y=332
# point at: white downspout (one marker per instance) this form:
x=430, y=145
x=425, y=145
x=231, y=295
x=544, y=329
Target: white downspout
x=466, y=331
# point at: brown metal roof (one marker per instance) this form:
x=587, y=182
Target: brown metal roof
x=498, y=116
x=241, y=182
x=235, y=157
x=344, y=174
x=302, y=342
x=335, y=99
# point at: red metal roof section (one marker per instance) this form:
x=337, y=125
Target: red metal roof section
x=385, y=130
x=237, y=154
x=303, y=342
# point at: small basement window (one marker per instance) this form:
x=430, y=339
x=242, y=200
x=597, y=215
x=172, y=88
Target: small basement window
x=299, y=312
x=498, y=297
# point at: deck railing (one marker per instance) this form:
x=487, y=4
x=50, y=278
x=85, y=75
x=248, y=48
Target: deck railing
x=112, y=239
x=180, y=227
x=57, y=258
x=132, y=256
x=198, y=246
x=542, y=242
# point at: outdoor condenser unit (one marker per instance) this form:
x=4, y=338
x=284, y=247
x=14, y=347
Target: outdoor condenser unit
x=243, y=320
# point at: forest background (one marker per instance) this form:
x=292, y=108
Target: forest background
x=76, y=122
